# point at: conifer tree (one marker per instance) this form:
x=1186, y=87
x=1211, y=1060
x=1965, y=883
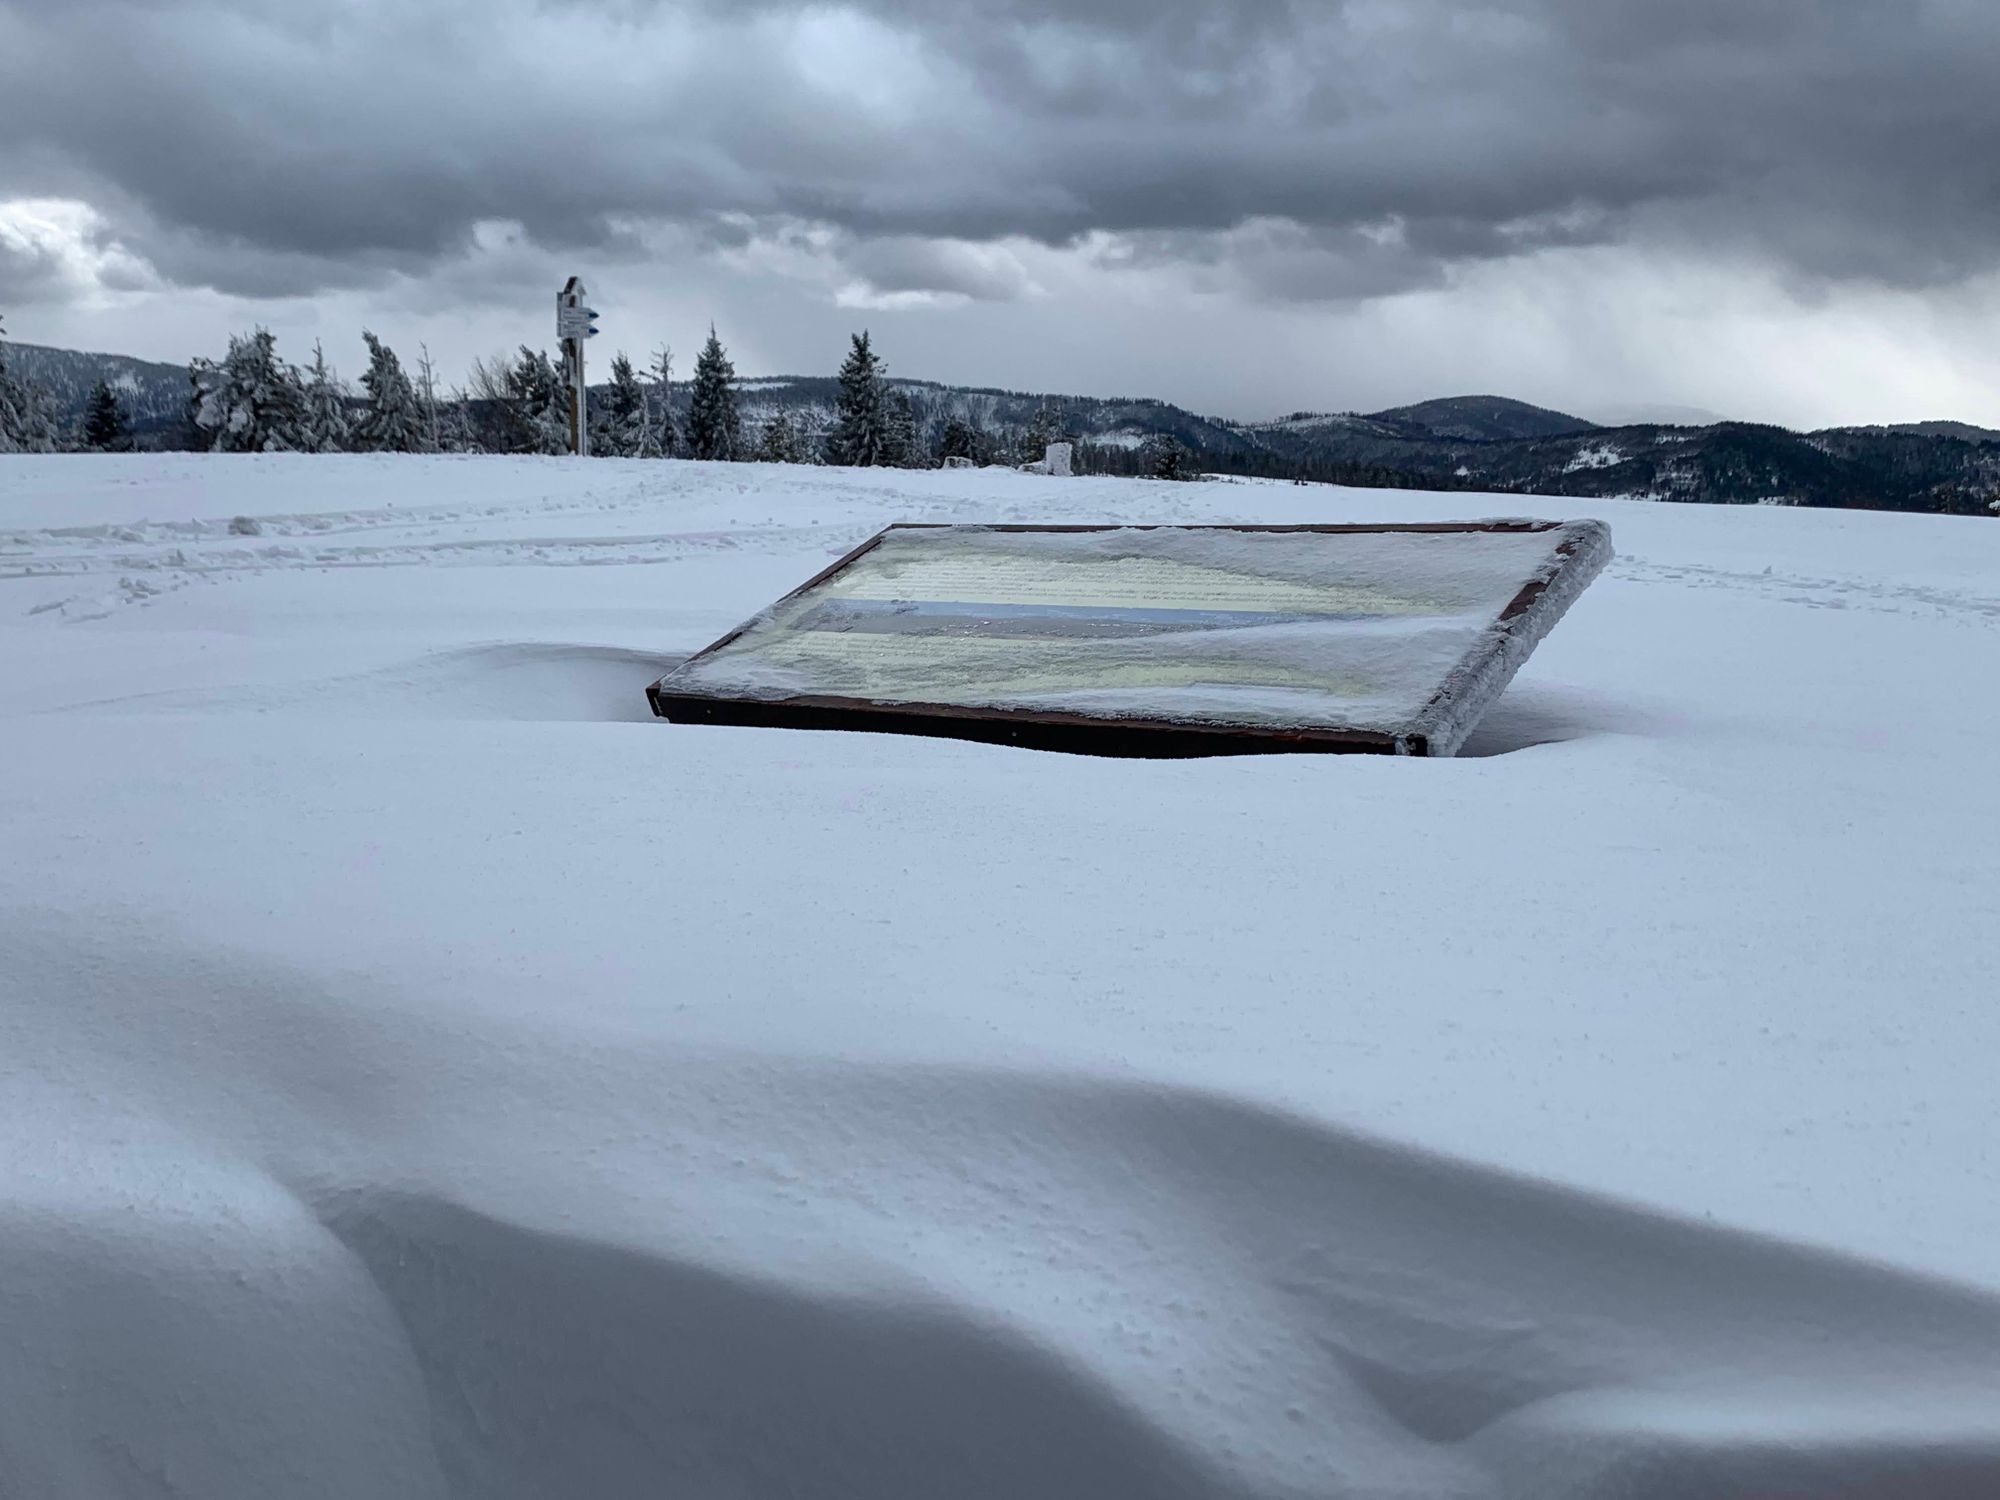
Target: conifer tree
x=252, y=402
x=899, y=421
x=782, y=442
x=538, y=404
x=204, y=380
x=960, y=439
x=327, y=427
x=1165, y=458
x=26, y=424
x=713, y=429
x=104, y=426
x=1045, y=428
x=394, y=421
x=663, y=435
x=619, y=427
x=427, y=402
x=861, y=434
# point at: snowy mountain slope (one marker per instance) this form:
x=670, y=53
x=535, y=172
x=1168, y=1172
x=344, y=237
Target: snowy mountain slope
x=1480, y=419
x=1116, y=421
x=153, y=394
x=1965, y=432
x=1343, y=423
x=428, y=1076
x=1724, y=463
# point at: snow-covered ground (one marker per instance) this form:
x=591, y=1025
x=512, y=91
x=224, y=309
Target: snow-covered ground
x=424, y=1075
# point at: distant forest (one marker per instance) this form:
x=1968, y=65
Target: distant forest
x=251, y=398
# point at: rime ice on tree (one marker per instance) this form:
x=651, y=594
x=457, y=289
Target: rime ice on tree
x=394, y=421
x=714, y=430
x=251, y=402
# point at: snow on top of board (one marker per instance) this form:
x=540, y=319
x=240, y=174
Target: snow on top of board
x=1397, y=632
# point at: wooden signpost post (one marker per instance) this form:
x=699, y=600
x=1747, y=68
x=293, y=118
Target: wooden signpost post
x=575, y=322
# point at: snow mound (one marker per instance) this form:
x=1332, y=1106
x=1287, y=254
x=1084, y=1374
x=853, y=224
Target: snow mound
x=774, y=1274
x=419, y=1082
x=548, y=682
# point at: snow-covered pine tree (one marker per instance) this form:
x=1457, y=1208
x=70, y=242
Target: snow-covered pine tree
x=427, y=401
x=618, y=427
x=1043, y=429
x=714, y=429
x=782, y=442
x=538, y=404
x=960, y=439
x=104, y=426
x=40, y=432
x=204, y=381
x=393, y=421
x=26, y=423
x=327, y=426
x=860, y=435
x=901, y=446
x=1165, y=458
x=663, y=433
x=10, y=402
x=250, y=403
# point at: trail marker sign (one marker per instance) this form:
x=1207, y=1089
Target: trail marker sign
x=575, y=322
x=1154, y=640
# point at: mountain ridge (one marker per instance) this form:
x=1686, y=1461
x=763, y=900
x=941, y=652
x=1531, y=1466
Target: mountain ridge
x=1482, y=442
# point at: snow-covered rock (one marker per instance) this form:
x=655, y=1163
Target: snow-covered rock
x=1055, y=461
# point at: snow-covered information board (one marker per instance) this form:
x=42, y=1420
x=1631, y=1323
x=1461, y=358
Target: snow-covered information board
x=1154, y=640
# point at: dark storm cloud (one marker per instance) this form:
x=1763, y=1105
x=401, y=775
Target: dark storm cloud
x=1331, y=150
x=28, y=274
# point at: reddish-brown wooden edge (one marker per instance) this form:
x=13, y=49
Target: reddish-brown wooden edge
x=1039, y=729
x=1522, y=602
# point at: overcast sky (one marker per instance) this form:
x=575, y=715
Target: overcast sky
x=1785, y=210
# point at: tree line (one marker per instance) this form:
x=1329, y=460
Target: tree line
x=251, y=400
x=27, y=418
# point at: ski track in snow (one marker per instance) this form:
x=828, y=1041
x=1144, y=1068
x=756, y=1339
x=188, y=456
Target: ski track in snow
x=1819, y=593
x=144, y=576
x=154, y=558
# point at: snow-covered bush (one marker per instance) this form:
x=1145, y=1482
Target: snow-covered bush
x=252, y=402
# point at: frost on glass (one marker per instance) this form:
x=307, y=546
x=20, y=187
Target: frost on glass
x=1395, y=633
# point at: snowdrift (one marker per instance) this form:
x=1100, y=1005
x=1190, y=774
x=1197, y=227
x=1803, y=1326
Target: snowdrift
x=422, y=1079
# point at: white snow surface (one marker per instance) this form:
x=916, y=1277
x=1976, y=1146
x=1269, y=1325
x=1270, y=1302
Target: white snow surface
x=1595, y=456
x=424, y=1075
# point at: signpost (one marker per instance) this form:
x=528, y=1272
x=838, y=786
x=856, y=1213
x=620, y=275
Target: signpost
x=575, y=322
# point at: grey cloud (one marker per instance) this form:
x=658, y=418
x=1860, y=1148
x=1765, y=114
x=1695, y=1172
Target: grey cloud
x=28, y=274
x=53, y=252
x=905, y=264
x=274, y=148
x=1282, y=260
